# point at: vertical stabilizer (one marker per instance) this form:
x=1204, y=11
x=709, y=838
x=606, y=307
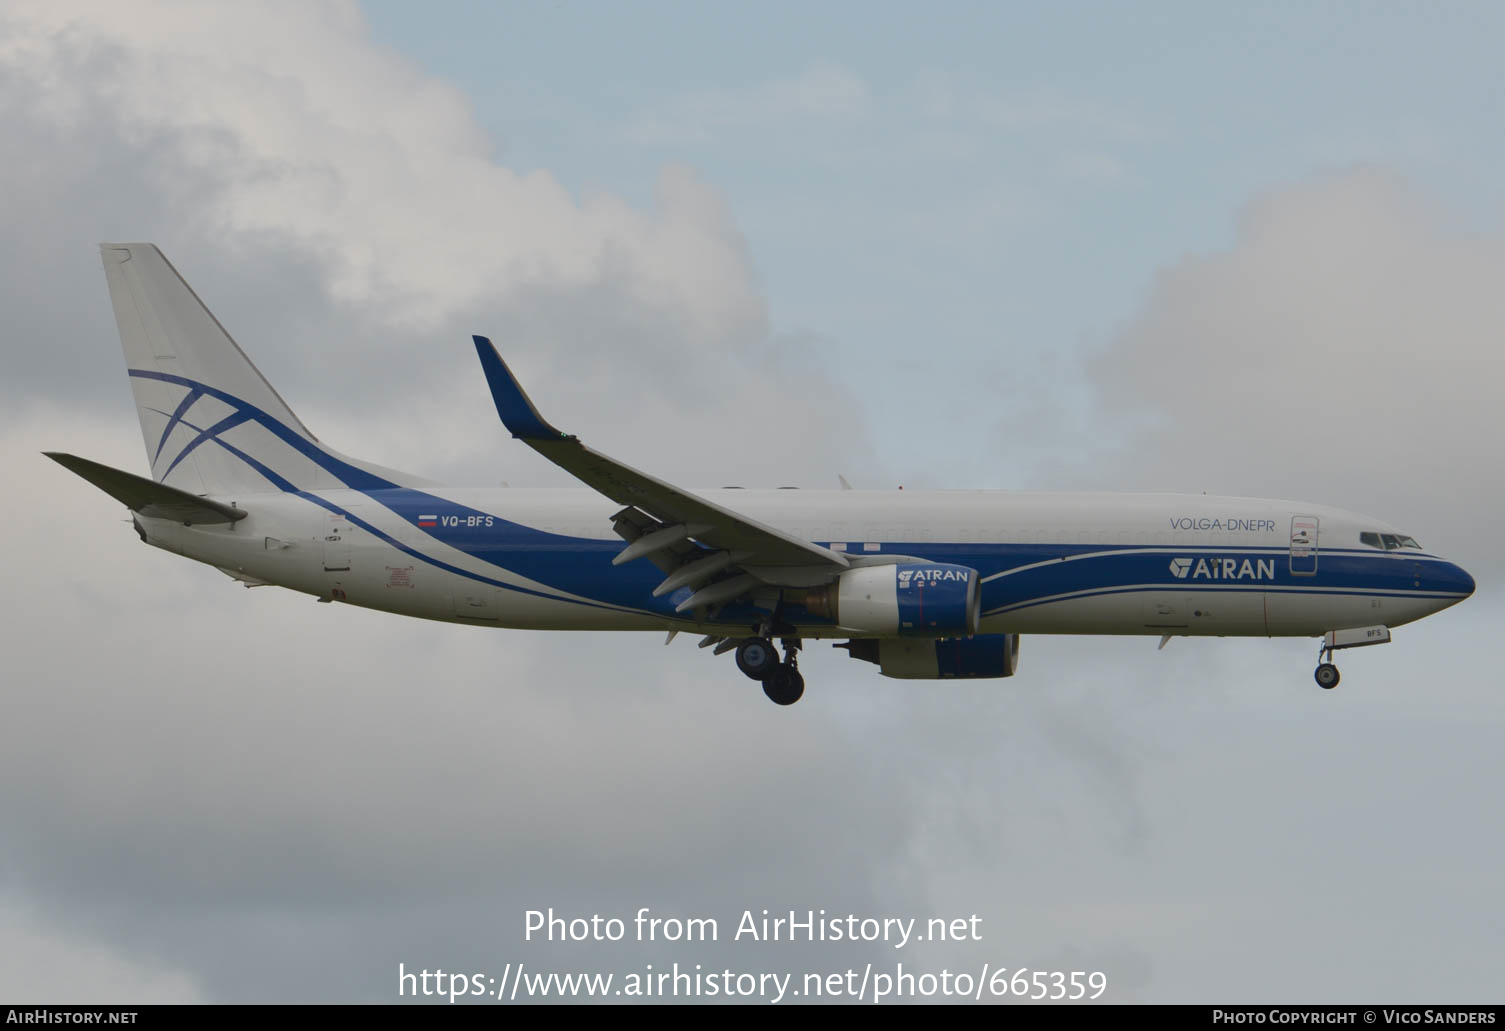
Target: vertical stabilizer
x=211, y=422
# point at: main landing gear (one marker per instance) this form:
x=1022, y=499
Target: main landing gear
x=759, y=660
x=757, y=657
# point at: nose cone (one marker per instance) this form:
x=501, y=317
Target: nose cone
x=1465, y=582
x=1445, y=576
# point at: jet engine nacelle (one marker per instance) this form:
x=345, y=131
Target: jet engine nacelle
x=961, y=658
x=912, y=599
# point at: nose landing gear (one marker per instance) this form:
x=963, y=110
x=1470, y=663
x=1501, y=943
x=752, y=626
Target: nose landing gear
x=1357, y=637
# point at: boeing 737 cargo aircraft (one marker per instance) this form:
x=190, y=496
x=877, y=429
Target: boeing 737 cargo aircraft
x=926, y=584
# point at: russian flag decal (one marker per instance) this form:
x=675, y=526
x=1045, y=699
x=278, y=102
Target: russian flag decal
x=428, y=520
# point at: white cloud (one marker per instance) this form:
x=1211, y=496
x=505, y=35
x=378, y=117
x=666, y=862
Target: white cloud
x=279, y=138
x=300, y=130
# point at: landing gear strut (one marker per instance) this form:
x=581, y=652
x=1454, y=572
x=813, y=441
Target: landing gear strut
x=1327, y=673
x=784, y=685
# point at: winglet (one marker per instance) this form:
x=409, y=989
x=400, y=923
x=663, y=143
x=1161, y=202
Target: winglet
x=517, y=412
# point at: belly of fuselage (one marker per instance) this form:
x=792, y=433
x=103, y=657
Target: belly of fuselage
x=1305, y=612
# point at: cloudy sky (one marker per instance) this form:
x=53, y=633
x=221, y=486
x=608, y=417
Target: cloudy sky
x=1168, y=247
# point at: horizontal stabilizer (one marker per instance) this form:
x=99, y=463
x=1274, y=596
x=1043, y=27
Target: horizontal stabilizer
x=148, y=497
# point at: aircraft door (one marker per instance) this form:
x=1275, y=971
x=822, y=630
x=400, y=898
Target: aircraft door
x=337, y=530
x=1303, y=545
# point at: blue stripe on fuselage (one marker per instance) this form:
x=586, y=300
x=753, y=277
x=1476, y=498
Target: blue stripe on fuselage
x=409, y=503
x=582, y=566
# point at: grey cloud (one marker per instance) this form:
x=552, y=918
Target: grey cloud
x=46, y=961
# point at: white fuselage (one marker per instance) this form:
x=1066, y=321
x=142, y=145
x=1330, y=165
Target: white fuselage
x=1049, y=563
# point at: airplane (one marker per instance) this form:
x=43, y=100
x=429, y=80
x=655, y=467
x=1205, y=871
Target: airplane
x=927, y=585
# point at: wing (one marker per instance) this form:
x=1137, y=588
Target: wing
x=697, y=543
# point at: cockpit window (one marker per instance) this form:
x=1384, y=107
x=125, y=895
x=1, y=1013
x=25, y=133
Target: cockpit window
x=1388, y=541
